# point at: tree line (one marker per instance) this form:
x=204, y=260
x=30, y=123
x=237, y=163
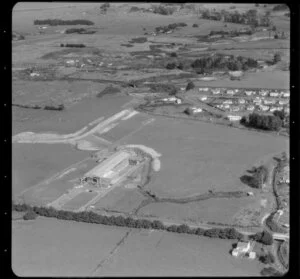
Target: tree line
x=171, y=26
x=263, y=122
x=223, y=62
x=250, y=17
x=72, y=45
x=79, y=31
x=91, y=217
x=56, y=22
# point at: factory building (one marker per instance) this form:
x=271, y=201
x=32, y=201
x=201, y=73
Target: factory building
x=111, y=167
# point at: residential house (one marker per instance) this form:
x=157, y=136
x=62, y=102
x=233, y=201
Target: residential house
x=204, y=98
x=264, y=108
x=248, y=93
x=234, y=117
x=230, y=92
x=273, y=109
x=250, y=108
x=227, y=102
x=274, y=94
x=268, y=102
x=242, y=101
x=287, y=110
x=235, y=108
x=196, y=110
x=241, y=249
x=283, y=102
x=286, y=95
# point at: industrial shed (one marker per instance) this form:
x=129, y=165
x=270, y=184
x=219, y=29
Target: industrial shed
x=111, y=166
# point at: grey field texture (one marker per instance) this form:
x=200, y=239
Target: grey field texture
x=150, y=139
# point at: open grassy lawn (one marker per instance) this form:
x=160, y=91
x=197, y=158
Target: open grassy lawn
x=70, y=120
x=33, y=163
x=219, y=210
x=51, y=247
x=78, y=201
x=269, y=80
x=200, y=156
x=120, y=199
x=167, y=254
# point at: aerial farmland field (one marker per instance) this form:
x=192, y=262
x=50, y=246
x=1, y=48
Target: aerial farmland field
x=200, y=156
x=106, y=133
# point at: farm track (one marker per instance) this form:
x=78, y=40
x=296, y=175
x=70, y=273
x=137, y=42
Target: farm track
x=112, y=252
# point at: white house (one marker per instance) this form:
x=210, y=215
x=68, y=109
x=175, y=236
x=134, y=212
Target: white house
x=235, y=108
x=283, y=102
x=287, y=110
x=203, y=89
x=234, y=117
x=264, y=108
x=242, y=101
x=274, y=94
x=226, y=106
x=34, y=74
x=227, y=102
x=242, y=248
x=248, y=93
x=286, y=95
x=178, y=101
x=230, y=92
x=251, y=108
x=196, y=110
x=216, y=92
x=273, y=109
x=268, y=102
x=252, y=255
x=262, y=93
x=203, y=98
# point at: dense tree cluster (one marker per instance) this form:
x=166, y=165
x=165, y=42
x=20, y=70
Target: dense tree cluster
x=104, y=7
x=231, y=33
x=267, y=258
x=162, y=87
x=280, y=7
x=170, y=27
x=271, y=271
x=56, y=22
x=260, y=176
x=79, y=31
x=163, y=10
x=276, y=58
x=30, y=215
x=250, y=17
x=91, y=217
x=195, y=25
x=264, y=122
x=274, y=225
x=263, y=237
x=223, y=62
x=190, y=86
x=73, y=45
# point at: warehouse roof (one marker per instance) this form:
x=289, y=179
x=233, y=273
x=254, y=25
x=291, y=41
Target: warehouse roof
x=108, y=164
